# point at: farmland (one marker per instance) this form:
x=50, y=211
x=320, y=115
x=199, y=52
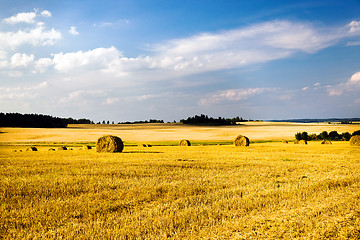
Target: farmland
x=210, y=190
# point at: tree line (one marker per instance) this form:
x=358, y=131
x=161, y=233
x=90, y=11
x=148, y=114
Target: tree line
x=146, y=121
x=209, y=121
x=332, y=136
x=37, y=120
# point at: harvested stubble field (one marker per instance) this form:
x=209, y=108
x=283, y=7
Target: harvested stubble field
x=268, y=190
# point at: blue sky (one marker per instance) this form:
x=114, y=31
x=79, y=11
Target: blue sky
x=136, y=60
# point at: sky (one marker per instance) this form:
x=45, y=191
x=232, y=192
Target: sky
x=129, y=60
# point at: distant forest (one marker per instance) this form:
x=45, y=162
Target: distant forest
x=329, y=120
x=37, y=121
x=46, y=121
x=146, y=121
x=209, y=121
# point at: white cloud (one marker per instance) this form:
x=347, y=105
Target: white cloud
x=352, y=84
x=317, y=86
x=172, y=59
x=3, y=54
x=80, y=97
x=24, y=17
x=232, y=95
x=45, y=13
x=15, y=73
x=42, y=65
x=353, y=43
x=108, y=24
x=26, y=92
x=305, y=88
x=240, y=47
x=354, y=26
x=105, y=24
x=179, y=57
x=36, y=36
x=139, y=98
x=96, y=59
x=112, y=100
x=334, y=91
x=210, y=51
x=21, y=60
x=355, y=79
x=18, y=61
x=127, y=21
x=37, y=87
x=73, y=31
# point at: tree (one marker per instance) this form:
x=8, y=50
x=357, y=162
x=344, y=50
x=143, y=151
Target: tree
x=324, y=135
x=312, y=136
x=302, y=136
x=346, y=136
x=333, y=135
x=305, y=136
x=356, y=133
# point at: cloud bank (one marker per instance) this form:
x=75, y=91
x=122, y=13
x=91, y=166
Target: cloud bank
x=201, y=53
x=94, y=73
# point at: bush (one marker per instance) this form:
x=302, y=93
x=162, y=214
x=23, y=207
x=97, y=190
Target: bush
x=356, y=133
x=323, y=136
x=312, y=136
x=345, y=136
x=333, y=135
x=302, y=136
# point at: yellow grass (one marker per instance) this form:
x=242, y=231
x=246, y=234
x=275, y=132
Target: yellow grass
x=264, y=191
x=170, y=132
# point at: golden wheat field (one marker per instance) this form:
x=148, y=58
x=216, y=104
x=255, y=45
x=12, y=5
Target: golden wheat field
x=209, y=190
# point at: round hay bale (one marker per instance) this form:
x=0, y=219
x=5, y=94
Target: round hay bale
x=185, y=142
x=302, y=142
x=285, y=141
x=241, y=141
x=86, y=147
x=326, y=142
x=355, y=140
x=296, y=142
x=62, y=148
x=33, y=149
x=109, y=143
x=51, y=149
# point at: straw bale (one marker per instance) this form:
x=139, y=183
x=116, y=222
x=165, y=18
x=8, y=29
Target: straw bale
x=109, y=143
x=241, y=141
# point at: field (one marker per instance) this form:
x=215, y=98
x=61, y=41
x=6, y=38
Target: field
x=210, y=190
